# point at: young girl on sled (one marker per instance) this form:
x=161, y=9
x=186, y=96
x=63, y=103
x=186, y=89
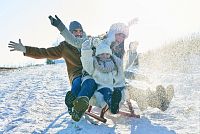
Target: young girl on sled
x=107, y=71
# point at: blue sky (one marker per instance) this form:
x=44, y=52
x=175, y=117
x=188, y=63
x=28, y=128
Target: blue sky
x=159, y=21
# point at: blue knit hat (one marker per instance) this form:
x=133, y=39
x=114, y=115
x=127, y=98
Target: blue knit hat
x=74, y=25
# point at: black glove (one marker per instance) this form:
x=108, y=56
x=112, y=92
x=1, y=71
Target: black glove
x=57, y=23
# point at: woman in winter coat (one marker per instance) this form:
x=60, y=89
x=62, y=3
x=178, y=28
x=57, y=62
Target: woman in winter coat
x=159, y=98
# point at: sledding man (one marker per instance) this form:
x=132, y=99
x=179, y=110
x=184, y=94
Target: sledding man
x=71, y=56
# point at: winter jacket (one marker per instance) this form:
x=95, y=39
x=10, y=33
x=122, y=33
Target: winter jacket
x=64, y=50
x=110, y=80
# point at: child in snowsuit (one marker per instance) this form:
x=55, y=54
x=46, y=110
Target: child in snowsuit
x=107, y=71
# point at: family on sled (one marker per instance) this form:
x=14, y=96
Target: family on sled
x=95, y=69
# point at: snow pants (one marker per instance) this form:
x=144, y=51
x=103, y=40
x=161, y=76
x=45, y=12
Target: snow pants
x=112, y=98
x=107, y=94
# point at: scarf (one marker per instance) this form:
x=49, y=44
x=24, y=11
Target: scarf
x=104, y=66
x=107, y=65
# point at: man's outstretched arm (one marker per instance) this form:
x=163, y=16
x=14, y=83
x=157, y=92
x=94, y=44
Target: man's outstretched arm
x=69, y=37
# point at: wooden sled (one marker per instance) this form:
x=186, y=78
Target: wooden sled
x=105, y=109
x=101, y=117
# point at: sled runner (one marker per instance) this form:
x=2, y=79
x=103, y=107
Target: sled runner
x=105, y=109
x=100, y=117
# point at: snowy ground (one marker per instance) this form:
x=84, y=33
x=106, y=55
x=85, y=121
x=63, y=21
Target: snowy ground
x=32, y=101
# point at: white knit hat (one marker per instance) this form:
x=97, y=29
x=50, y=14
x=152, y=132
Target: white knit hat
x=103, y=47
x=119, y=28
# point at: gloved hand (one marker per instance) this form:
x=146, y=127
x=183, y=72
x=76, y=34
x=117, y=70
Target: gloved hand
x=96, y=42
x=57, y=23
x=86, y=45
x=17, y=46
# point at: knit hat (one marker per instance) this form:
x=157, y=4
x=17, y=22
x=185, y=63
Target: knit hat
x=74, y=25
x=119, y=28
x=103, y=48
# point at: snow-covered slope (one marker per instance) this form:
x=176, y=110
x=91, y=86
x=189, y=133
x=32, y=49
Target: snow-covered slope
x=32, y=101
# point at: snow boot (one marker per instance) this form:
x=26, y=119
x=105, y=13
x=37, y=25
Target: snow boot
x=162, y=98
x=69, y=98
x=115, y=100
x=80, y=106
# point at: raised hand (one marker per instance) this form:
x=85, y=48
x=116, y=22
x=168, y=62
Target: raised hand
x=96, y=42
x=17, y=46
x=86, y=45
x=57, y=22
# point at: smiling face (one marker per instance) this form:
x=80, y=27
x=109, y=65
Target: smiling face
x=78, y=33
x=119, y=38
x=104, y=56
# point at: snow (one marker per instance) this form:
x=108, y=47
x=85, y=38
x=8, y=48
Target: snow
x=32, y=101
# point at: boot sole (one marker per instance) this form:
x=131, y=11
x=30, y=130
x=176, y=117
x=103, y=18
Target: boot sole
x=80, y=106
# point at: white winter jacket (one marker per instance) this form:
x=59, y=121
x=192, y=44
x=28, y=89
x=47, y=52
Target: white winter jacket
x=109, y=80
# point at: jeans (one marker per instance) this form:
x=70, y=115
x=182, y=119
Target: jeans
x=76, y=86
x=107, y=94
x=88, y=88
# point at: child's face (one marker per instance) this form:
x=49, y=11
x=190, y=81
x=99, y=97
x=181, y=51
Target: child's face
x=104, y=56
